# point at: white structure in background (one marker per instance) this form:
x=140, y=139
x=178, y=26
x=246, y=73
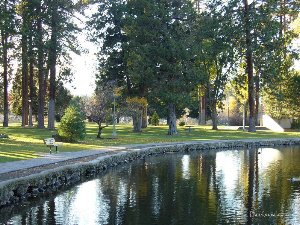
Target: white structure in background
x=276, y=125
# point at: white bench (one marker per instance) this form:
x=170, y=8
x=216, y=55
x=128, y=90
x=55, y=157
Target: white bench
x=50, y=142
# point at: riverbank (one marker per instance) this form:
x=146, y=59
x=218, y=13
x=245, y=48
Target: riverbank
x=26, y=178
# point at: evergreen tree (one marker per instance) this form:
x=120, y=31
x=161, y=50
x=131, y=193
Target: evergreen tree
x=155, y=119
x=72, y=126
x=62, y=100
x=40, y=65
x=215, y=53
x=175, y=74
x=24, y=30
x=63, y=29
x=7, y=30
x=262, y=44
x=149, y=49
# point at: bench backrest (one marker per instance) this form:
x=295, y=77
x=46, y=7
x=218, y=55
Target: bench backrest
x=49, y=141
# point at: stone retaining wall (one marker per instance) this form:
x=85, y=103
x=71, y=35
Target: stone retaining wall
x=14, y=191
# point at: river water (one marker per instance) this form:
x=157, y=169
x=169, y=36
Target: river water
x=246, y=186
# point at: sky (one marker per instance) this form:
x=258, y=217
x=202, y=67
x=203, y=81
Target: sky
x=84, y=65
x=84, y=68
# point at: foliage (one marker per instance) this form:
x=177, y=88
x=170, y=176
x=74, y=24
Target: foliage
x=147, y=48
x=63, y=99
x=285, y=101
x=98, y=107
x=134, y=105
x=268, y=39
x=295, y=125
x=134, y=108
x=181, y=123
x=72, y=126
x=16, y=95
x=216, y=57
x=235, y=112
x=155, y=119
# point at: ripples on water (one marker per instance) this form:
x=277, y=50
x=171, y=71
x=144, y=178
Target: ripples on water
x=203, y=187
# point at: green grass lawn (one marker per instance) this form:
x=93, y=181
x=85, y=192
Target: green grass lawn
x=24, y=142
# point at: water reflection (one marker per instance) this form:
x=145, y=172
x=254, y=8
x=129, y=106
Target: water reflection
x=186, y=167
x=210, y=187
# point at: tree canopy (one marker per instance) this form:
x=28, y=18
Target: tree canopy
x=162, y=55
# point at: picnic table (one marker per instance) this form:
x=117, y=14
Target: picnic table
x=189, y=128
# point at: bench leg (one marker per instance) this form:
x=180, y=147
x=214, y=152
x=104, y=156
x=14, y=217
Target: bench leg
x=50, y=151
x=56, y=150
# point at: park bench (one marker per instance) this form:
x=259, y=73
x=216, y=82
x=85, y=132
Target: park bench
x=50, y=142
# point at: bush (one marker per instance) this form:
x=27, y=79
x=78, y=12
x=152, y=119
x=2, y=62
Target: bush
x=295, y=125
x=181, y=123
x=155, y=119
x=57, y=118
x=72, y=126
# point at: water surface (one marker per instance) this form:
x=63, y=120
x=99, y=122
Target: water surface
x=247, y=186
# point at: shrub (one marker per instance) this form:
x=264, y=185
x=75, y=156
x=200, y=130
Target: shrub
x=155, y=119
x=72, y=126
x=181, y=123
x=295, y=125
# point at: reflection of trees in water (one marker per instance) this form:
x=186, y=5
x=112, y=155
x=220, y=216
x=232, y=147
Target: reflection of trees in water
x=170, y=189
x=41, y=210
x=158, y=193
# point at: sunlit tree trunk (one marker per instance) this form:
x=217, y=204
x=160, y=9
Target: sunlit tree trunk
x=214, y=117
x=172, y=119
x=203, y=110
x=144, y=117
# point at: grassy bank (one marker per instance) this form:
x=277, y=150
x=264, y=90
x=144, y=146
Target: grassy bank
x=24, y=142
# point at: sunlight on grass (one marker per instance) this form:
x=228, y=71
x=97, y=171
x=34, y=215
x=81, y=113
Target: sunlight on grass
x=23, y=143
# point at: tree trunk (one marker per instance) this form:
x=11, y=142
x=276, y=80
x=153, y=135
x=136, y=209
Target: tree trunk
x=31, y=74
x=214, y=117
x=249, y=71
x=203, y=110
x=52, y=59
x=24, y=80
x=51, y=108
x=199, y=112
x=41, y=104
x=172, y=119
x=256, y=98
x=5, y=80
x=99, y=130
x=144, y=117
x=137, y=123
